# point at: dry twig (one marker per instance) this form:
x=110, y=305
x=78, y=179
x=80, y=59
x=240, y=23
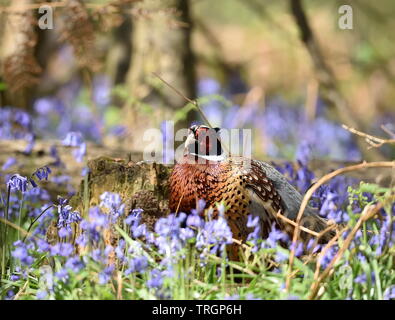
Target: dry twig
x=373, y=141
x=368, y=212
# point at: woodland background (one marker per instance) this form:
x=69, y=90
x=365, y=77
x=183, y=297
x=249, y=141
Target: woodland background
x=283, y=68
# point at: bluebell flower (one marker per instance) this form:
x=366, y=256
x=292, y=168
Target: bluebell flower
x=280, y=256
x=74, y=264
x=22, y=118
x=21, y=253
x=61, y=180
x=194, y=220
x=66, y=218
x=15, y=277
x=186, y=234
x=63, y=249
x=75, y=140
x=389, y=293
x=140, y=231
x=62, y=275
x=328, y=257
x=80, y=152
x=31, y=139
x=155, y=280
x=41, y=294
x=215, y=234
x=112, y=202
x=106, y=274
x=138, y=264
x=17, y=182
x=119, y=250
x=85, y=171
x=298, y=248
x=275, y=236
x=101, y=90
x=303, y=153
x=11, y=161
x=55, y=154
x=362, y=278
x=10, y=295
x=208, y=86
x=42, y=245
x=134, y=217
x=250, y=296
x=169, y=226
x=292, y=297
x=118, y=131
x=93, y=228
x=42, y=173
x=309, y=246
x=256, y=234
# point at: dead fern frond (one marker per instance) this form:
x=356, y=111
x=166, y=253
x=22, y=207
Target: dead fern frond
x=20, y=67
x=78, y=31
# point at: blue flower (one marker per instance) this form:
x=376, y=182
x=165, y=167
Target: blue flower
x=194, y=220
x=303, y=153
x=66, y=218
x=298, y=248
x=75, y=140
x=138, y=264
x=389, y=293
x=208, y=86
x=10, y=295
x=328, y=256
x=62, y=249
x=74, y=264
x=155, y=280
x=42, y=245
x=215, y=234
x=274, y=237
x=11, y=161
x=280, y=256
x=42, y=173
x=363, y=278
x=21, y=253
x=62, y=275
x=106, y=274
x=42, y=294
x=17, y=182
x=14, y=277
x=112, y=202
x=254, y=236
x=55, y=154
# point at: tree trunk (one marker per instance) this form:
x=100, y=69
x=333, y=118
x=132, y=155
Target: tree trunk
x=19, y=66
x=161, y=43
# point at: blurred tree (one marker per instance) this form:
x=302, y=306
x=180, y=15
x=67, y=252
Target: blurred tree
x=161, y=43
x=19, y=66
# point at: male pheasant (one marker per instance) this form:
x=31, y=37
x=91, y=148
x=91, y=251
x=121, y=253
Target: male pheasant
x=256, y=188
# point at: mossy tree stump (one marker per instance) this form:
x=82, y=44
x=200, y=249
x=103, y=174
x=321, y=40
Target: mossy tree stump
x=141, y=185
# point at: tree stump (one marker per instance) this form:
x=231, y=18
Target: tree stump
x=141, y=185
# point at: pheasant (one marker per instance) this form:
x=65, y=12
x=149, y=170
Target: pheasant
x=205, y=172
